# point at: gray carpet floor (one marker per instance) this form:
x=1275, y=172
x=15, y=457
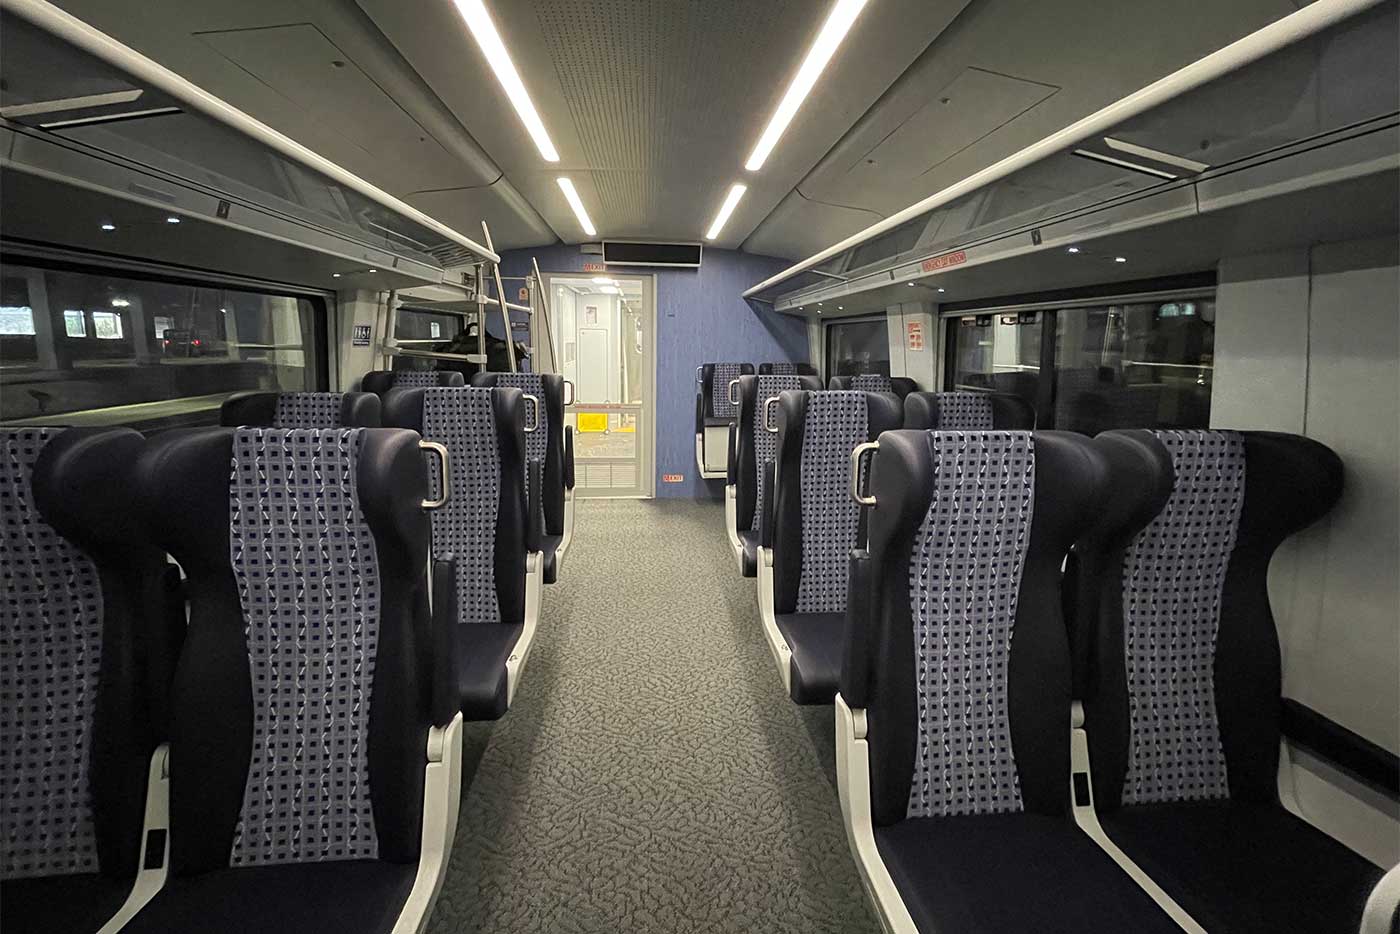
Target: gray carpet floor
x=651, y=776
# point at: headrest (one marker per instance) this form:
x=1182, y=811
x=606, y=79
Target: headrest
x=301, y=410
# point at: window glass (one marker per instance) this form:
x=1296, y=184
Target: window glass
x=440, y=331
x=998, y=352
x=111, y=349
x=855, y=347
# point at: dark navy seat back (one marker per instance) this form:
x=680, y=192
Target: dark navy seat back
x=380, y=382
x=546, y=443
x=483, y=523
x=875, y=382
x=786, y=369
x=89, y=628
x=815, y=518
x=301, y=703
x=1185, y=604
x=755, y=446
x=967, y=411
x=301, y=410
x=712, y=405
x=965, y=545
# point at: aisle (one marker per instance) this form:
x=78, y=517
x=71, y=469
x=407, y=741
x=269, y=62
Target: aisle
x=651, y=776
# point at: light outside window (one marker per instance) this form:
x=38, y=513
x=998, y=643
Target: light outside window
x=107, y=325
x=74, y=323
x=16, y=321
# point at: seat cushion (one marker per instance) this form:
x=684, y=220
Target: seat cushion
x=335, y=897
x=549, y=545
x=79, y=904
x=817, y=641
x=1255, y=868
x=749, y=539
x=996, y=873
x=482, y=650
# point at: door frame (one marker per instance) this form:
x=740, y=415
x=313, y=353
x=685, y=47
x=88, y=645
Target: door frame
x=646, y=453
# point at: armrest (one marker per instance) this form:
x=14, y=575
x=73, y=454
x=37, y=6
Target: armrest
x=732, y=462
x=446, y=691
x=1356, y=755
x=699, y=413
x=534, y=504
x=768, y=479
x=163, y=643
x=568, y=457
x=855, y=662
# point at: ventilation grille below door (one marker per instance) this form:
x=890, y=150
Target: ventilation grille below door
x=606, y=476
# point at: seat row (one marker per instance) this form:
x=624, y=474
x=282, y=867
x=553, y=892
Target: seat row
x=236, y=661
x=716, y=408
x=1053, y=664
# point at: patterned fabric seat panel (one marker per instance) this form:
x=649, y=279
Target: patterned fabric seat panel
x=964, y=411
x=964, y=581
x=308, y=579
x=1173, y=581
x=50, y=656
x=724, y=374
x=464, y=419
x=835, y=423
x=532, y=384
x=872, y=382
x=415, y=378
x=783, y=369
x=765, y=442
x=308, y=410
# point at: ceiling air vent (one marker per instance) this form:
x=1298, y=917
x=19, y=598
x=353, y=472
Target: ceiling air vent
x=633, y=253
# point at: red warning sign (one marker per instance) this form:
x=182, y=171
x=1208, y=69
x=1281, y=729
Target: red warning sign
x=594, y=267
x=935, y=263
x=673, y=478
x=914, y=335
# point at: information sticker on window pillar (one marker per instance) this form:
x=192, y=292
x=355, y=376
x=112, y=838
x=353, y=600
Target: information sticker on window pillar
x=361, y=336
x=914, y=335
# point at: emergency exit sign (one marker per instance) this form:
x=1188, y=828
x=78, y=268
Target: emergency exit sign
x=673, y=478
x=594, y=267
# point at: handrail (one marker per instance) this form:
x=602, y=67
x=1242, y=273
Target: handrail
x=1309, y=20
x=65, y=26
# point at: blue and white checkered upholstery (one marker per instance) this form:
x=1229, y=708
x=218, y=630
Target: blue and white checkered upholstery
x=872, y=382
x=782, y=369
x=964, y=411
x=532, y=384
x=1173, y=580
x=964, y=582
x=50, y=656
x=308, y=410
x=464, y=419
x=725, y=373
x=307, y=573
x=765, y=442
x=416, y=378
x=834, y=424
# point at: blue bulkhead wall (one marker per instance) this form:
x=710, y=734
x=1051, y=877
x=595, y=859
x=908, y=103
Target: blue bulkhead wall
x=700, y=318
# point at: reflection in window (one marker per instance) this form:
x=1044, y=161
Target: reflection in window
x=17, y=321
x=856, y=347
x=998, y=352
x=111, y=349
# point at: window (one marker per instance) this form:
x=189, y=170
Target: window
x=858, y=346
x=113, y=349
x=1146, y=364
x=16, y=321
x=441, y=331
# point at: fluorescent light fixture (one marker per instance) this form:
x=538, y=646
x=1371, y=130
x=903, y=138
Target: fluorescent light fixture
x=600, y=280
x=726, y=209
x=575, y=202
x=484, y=31
x=837, y=24
x=120, y=303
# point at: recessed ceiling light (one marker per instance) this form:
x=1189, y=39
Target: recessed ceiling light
x=172, y=219
x=910, y=284
x=837, y=24
x=120, y=303
x=942, y=290
x=575, y=202
x=1120, y=259
x=109, y=226
x=1073, y=249
x=484, y=31
x=335, y=275
x=840, y=307
x=726, y=209
x=374, y=270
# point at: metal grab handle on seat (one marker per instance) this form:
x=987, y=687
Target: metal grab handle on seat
x=730, y=394
x=768, y=413
x=441, y=451
x=698, y=378
x=568, y=392
x=529, y=425
x=856, y=455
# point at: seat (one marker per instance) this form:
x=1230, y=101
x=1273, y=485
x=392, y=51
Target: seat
x=315, y=735
x=808, y=536
x=380, y=382
x=952, y=764
x=301, y=410
x=90, y=623
x=1182, y=696
x=967, y=411
x=714, y=413
x=545, y=443
x=489, y=526
x=752, y=451
x=786, y=369
x=875, y=382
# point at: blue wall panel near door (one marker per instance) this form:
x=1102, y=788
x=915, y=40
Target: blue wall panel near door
x=701, y=317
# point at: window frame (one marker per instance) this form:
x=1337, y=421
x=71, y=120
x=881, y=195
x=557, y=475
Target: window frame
x=828, y=345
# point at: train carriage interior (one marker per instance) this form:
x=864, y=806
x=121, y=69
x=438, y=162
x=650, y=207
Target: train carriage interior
x=667, y=466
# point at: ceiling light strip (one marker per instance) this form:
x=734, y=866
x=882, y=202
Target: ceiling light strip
x=1292, y=28
x=731, y=200
x=483, y=30
x=575, y=202
x=837, y=24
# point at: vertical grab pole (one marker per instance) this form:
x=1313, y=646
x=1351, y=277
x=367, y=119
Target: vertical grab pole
x=481, y=318
x=501, y=297
x=544, y=310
